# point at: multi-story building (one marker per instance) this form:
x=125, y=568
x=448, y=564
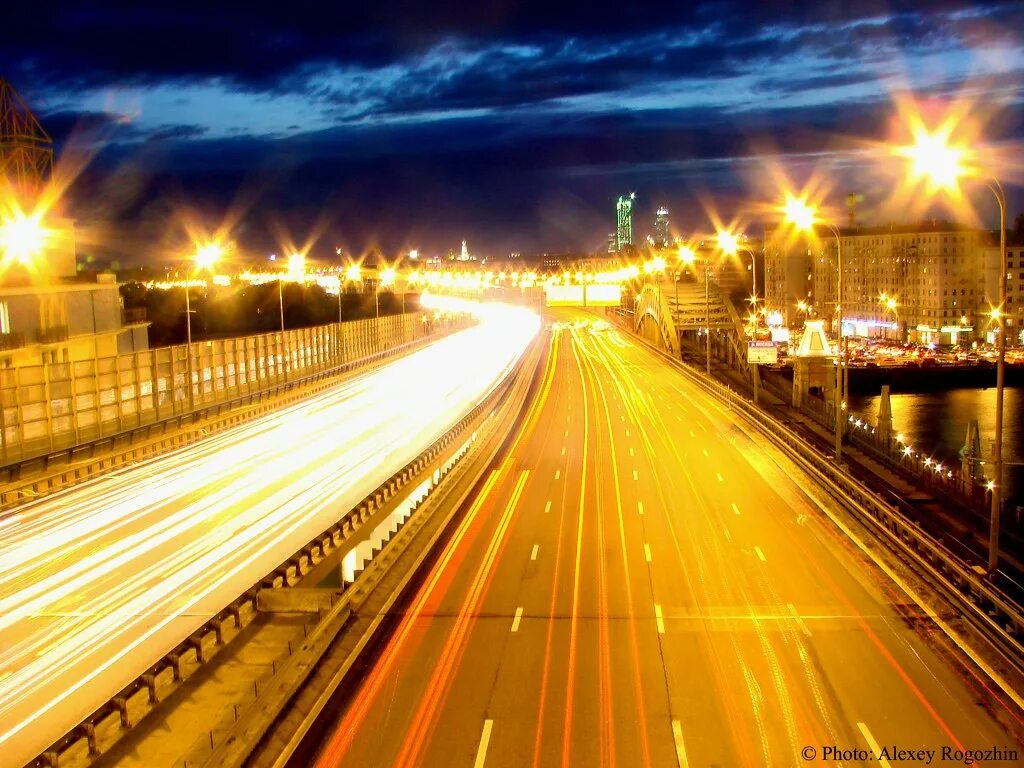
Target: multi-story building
x=921, y=282
x=788, y=277
x=662, y=235
x=48, y=312
x=624, y=221
x=62, y=322
x=1014, y=306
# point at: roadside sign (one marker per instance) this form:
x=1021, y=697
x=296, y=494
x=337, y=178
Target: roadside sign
x=762, y=352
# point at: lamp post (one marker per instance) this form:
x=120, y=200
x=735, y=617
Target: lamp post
x=997, y=449
x=688, y=256
x=729, y=244
x=205, y=257
x=889, y=303
x=805, y=218
x=297, y=272
x=385, y=277
x=934, y=158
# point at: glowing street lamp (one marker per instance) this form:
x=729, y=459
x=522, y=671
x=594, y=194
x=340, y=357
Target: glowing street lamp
x=941, y=164
x=805, y=218
x=729, y=244
x=208, y=255
x=389, y=276
x=204, y=258
x=689, y=257
x=297, y=265
x=890, y=303
x=22, y=238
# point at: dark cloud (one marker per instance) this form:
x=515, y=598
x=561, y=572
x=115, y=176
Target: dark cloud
x=513, y=124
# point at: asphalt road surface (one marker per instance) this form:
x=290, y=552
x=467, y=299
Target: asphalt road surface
x=642, y=582
x=100, y=581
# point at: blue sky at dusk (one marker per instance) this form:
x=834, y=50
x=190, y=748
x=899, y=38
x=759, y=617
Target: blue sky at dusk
x=512, y=125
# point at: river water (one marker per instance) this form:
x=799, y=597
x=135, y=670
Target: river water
x=936, y=423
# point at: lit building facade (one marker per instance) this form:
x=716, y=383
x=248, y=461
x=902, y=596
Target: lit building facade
x=1014, y=307
x=624, y=221
x=923, y=283
x=662, y=235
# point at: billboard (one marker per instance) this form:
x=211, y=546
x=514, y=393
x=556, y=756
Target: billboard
x=602, y=295
x=564, y=295
x=762, y=352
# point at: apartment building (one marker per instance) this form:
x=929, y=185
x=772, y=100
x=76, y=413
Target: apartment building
x=50, y=314
x=923, y=283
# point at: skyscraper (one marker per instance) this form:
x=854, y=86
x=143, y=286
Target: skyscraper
x=624, y=220
x=662, y=236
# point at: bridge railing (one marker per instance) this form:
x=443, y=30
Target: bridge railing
x=55, y=406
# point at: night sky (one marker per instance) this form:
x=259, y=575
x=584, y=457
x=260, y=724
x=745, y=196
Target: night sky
x=513, y=125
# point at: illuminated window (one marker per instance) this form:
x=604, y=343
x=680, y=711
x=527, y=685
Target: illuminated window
x=5, y=318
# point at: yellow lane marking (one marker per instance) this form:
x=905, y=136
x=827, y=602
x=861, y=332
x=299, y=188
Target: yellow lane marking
x=485, y=739
x=677, y=736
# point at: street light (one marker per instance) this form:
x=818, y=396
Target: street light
x=934, y=159
x=729, y=244
x=22, y=238
x=805, y=218
x=297, y=271
x=688, y=256
x=385, y=277
x=889, y=303
x=205, y=257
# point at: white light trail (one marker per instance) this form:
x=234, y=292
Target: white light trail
x=101, y=580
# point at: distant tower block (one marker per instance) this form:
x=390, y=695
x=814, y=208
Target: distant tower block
x=464, y=254
x=813, y=369
x=624, y=220
x=26, y=150
x=662, y=237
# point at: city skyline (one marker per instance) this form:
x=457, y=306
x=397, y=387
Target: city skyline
x=385, y=133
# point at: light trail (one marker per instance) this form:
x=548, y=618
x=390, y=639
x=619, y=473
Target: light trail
x=100, y=581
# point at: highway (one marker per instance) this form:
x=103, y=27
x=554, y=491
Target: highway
x=643, y=582
x=101, y=580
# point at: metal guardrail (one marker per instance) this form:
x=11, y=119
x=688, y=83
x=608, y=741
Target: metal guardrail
x=282, y=576
x=989, y=608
